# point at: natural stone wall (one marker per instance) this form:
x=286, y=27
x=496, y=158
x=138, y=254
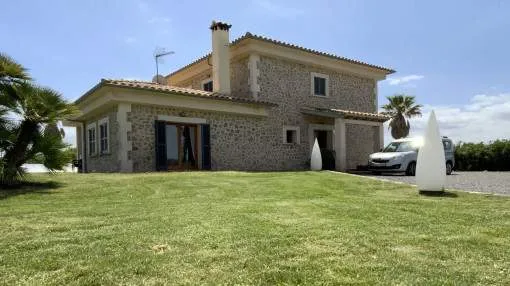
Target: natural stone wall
x=104, y=162
x=239, y=74
x=238, y=142
x=239, y=77
x=361, y=141
x=289, y=85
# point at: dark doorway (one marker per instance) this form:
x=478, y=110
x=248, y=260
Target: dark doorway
x=177, y=146
x=325, y=140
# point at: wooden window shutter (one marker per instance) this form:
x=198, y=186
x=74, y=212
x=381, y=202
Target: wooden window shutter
x=206, y=146
x=161, y=162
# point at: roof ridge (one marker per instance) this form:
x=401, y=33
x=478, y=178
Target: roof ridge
x=119, y=80
x=127, y=80
x=249, y=35
x=331, y=55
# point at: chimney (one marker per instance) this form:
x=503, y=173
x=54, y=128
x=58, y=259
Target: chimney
x=220, y=57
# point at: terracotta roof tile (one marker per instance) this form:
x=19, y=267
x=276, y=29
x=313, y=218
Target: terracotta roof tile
x=348, y=114
x=151, y=86
x=358, y=114
x=179, y=90
x=249, y=35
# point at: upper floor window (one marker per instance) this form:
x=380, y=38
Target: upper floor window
x=91, y=138
x=104, y=137
x=320, y=84
x=207, y=85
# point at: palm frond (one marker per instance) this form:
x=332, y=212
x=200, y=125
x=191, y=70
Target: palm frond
x=400, y=107
x=11, y=71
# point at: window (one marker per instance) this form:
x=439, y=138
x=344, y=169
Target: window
x=207, y=85
x=320, y=84
x=291, y=134
x=91, y=138
x=404, y=146
x=104, y=146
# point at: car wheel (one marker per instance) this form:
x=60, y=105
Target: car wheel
x=411, y=169
x=449, y=168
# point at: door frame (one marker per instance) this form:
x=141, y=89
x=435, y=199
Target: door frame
x=198, y=157
x=320, y=127
x=190, y=122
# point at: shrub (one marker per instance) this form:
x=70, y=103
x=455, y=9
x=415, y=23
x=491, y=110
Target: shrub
x=493, y=156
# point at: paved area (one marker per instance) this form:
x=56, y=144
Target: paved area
x=484, y=182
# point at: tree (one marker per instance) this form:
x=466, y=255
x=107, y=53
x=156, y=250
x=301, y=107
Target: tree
x=11, y=73
x=400, y=108
x=34, y=108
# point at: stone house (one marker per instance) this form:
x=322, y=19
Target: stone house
x=251, y=104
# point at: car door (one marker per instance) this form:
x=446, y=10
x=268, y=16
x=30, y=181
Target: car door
x=448, y=150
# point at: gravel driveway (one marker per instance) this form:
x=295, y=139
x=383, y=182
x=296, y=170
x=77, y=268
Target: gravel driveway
x=484, y=182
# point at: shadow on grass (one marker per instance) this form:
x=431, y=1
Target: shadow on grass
x=438, y=194
x=28, y=188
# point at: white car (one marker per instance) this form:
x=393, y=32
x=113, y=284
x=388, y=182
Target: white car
x=401, y=154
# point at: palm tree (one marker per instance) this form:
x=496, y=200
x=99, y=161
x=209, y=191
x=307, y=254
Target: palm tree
x=11, y=71
x=33, y=108
x=400, y=108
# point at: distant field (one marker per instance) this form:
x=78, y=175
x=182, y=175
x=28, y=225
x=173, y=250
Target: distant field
x=248, y=228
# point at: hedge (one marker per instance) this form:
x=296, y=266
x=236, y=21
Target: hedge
x=493, y=156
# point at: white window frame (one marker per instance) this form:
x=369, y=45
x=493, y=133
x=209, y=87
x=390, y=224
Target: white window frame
x=291, y=128
x=92, y=126
x=207, y=80
x=104, y=121
x=313, y=75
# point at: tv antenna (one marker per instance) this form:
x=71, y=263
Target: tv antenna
x=158, y=54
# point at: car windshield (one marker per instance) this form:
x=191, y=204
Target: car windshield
x=404, y=146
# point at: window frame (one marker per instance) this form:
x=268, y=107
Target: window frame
x=206, y=81
x=92, y=126
x=296, y=129
x=313, y=75
x=104, y=121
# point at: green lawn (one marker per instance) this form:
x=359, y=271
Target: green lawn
x=249, y=228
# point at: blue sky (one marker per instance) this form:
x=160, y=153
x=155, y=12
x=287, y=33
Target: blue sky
x=452, y=55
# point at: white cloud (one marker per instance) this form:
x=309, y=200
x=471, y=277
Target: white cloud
x=278, y=10
x=484, y=118
x=404, y=79
x=129, y=40
x=158, y=20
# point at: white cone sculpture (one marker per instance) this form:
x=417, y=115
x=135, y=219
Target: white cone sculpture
x=430, y=165
x=316, y=159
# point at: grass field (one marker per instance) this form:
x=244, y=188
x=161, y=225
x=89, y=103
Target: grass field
x=248, y=228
